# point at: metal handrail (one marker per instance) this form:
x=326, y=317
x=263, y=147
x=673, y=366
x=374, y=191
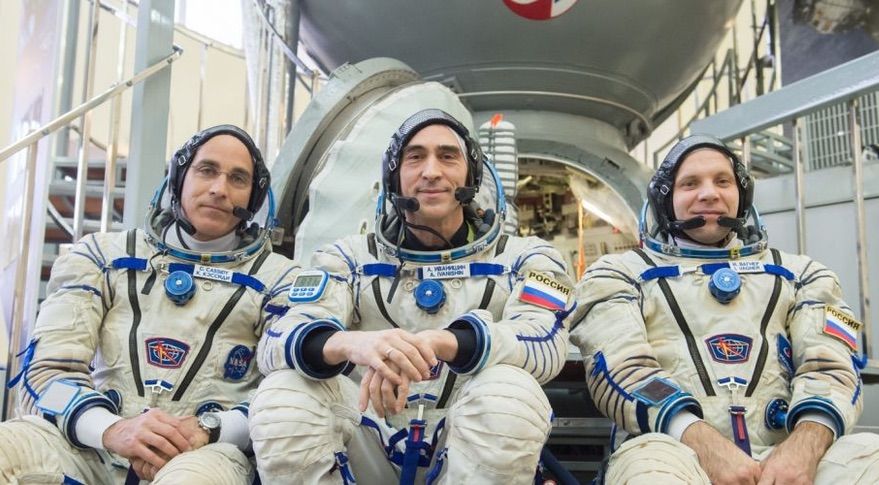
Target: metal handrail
x=283, y=45
x=96, y=101
x=732, y=73
x=845, y=83
x=30, y=141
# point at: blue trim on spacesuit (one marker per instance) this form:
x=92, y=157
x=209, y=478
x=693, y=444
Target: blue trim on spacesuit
x=90, y=289
x=83, y=403
x=137, y=264
x=682, y=401
x=242, y=279
x=483, y=343
x=815, y=404
x=709, y=269
x=293, y=347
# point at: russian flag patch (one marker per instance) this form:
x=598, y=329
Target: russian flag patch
x=841, y=326
x=545, y=292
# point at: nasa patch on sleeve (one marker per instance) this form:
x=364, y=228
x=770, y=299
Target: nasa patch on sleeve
x=237, y=363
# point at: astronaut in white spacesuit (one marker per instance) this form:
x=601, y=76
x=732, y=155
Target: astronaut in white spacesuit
x=141, y=359
x=730, y=361
x=453, y=327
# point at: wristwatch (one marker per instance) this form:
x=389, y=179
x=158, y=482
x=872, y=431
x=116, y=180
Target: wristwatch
x=211, y=423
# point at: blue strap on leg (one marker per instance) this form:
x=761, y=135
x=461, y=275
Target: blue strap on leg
x=344, y=469
x=434, y=472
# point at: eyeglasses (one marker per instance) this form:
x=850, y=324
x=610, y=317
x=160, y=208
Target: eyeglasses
x=209, y=173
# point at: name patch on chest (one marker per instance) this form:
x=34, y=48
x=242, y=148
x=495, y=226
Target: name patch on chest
x=747, y=266
x=729, y=348
x=841, y=326
x=165, y=352
x=237, y=362
x=446, y=271
x=544, y=291
x=211, y=273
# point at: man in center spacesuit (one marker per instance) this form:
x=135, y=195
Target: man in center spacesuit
x=728, y=361
x=144, y=346
x=452, y=325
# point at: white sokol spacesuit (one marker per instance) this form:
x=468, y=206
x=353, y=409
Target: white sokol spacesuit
x=508, y=293
x=748, y=338
x=144, y=319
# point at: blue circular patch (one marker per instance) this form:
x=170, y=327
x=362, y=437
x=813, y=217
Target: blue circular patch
x=725, y=285
x=179, y=287
x=237, y=362
x=775, y=415
x=430, y=296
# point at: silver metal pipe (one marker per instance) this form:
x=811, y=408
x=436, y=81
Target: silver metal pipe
x=82, y=166
x=270, y=27
x=98, y=100
x=860, y=225
x=746, y=151
x=68, y=70
x=799, y=190
x=775, y=42
x=292, y=34
x=202, y=72
x=112, y=151
x=259, y=115
x=16, y=343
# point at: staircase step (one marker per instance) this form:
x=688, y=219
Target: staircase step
x=68, y=188
x=55, y=234
x=70, y=162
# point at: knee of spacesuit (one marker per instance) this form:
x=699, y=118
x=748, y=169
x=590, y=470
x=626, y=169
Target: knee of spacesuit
x=498, y=425
x=654, y=459
x=27, y=454
x=853, y=458
x=214, y=464
x=297, y=425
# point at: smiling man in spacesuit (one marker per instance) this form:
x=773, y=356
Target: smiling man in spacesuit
x=143, y=347
x=734, y=363
x=452, y=325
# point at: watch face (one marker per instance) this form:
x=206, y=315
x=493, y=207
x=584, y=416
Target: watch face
x=209, y=420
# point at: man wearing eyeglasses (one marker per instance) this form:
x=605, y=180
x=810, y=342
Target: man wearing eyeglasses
x=141, y=359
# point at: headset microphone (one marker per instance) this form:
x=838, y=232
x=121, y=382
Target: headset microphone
x=409, y=204
x=242, y=213
x=692, y=223
x=465, y=194
x=731, y=222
